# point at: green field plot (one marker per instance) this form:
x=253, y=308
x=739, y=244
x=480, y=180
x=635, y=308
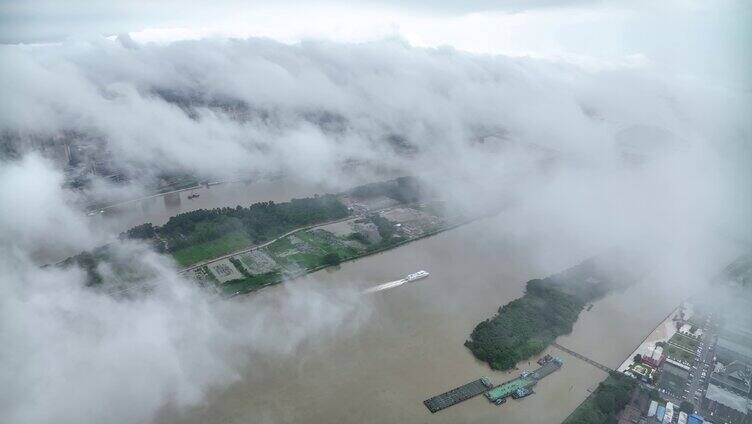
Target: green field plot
x=211, y=249
x=327, y=242
x=686, y=342
x=678, y=354
x=281, y=247
x=310, y=250
x=250, y=283
x=305, y=260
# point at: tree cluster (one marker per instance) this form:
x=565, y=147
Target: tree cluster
x=608, y=400
x=260, y=221
x=526, y=326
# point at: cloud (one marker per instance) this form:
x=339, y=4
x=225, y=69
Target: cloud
x=223, y=108
x=72, y=353
x=35, y=212
x=584, y=157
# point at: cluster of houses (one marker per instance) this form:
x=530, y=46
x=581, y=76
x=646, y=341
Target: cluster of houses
x=704, y=360
x=667, y=413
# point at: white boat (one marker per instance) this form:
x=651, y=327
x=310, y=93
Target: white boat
x=392, y=284
x=417, y=276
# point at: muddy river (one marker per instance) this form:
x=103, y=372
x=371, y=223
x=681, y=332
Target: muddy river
x=411, y=345
x=159, y=208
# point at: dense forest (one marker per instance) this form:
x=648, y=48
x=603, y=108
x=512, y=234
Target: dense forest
x=606, y=402
x=526, y=326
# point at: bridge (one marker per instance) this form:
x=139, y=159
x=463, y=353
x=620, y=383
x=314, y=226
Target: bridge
x=582, y=357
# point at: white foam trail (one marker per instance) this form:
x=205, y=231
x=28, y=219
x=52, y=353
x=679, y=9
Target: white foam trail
x=385, y=286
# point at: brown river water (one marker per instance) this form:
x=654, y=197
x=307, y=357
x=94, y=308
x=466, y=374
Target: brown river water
x=411, y=345
x=158, y=209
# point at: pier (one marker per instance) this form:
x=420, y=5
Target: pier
x=457, y=395
x=523, y=385
x=517, y=388
x=582, y=357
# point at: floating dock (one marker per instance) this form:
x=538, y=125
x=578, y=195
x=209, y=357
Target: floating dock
x=457, y=395
x=523, y=385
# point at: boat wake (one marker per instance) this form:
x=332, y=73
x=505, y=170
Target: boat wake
x=385, y=286
x=392, y=284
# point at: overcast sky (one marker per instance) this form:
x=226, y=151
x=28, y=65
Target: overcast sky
x=473, y=91
x=698, y=37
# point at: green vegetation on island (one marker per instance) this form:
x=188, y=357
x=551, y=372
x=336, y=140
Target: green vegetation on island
x=204, y=234
x=291, y=238
x=524, y=327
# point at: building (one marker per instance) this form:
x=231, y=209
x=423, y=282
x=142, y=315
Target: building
x=695, y=419
x=660, y=412
x=682, y=418
x=668, y=417
x=735, y=377
x=656, y=358
x=728, y=351
x=728, y=407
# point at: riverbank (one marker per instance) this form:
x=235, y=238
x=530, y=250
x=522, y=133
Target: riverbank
x=311, y=249
x=257, y=281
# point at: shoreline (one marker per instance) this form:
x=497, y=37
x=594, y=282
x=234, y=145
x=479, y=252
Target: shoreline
x=351, y=259
x=648, y=340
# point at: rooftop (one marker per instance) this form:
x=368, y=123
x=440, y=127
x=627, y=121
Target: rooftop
x=734, y=346
x=508, y=388
x=728, y=399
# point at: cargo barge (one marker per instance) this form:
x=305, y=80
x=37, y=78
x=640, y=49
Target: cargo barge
x=457, y=395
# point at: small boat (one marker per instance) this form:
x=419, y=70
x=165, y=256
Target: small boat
x=417, y=276
x=193, y=196
x=521, y=393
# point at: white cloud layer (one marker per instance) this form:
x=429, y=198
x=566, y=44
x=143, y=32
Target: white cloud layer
x=593, y=148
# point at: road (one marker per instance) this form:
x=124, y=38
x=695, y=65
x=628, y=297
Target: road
x=701, y=367
x=309, y=227
x=259, y=246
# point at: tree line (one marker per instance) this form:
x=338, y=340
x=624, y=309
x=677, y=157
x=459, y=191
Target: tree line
x=260, y=222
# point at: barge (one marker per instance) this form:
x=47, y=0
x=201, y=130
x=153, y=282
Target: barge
x=457, y=395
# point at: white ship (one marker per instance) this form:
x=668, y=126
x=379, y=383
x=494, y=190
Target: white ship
x=417, y=276
x=392, y=284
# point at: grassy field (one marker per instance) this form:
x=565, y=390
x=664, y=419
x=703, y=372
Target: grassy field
x=686, y=342
x=328, y=244
x=292, y=258
x=680, y=355
x=304, y=260
x=211, y=249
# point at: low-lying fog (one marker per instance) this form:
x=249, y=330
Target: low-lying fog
x=592, y=158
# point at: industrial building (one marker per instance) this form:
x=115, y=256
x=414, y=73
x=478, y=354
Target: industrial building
x=727, y=407
x=735, y=377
